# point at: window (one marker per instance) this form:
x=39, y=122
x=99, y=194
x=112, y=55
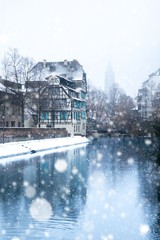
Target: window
x=55, y=91
x=12, y=123
x=44, y=116
x=83, y=104
x=55, y=116
x=59, y=103
x=78, y=128
x=13, y=110
x=64, y=115
x=83, y=95
x=83, y=115
x=78, y=115
x=78, y=104
x=7, y=124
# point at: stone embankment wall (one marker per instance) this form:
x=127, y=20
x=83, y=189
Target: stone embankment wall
x=22, y=134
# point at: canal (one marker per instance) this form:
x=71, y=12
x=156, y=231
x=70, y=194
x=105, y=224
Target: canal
x=106, y=190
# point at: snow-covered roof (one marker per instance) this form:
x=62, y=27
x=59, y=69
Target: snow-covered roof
x=71, y=70
x=4, y=89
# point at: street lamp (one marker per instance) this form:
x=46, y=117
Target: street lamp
x=3, y=117
x=3, y=127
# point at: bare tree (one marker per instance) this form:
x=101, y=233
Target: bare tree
x=120, y=108
x=37, y=86
x=109, y=113
x=35, y=98
x=15, y=68
x=5, y=66
x=97, y=108
x=114, y=97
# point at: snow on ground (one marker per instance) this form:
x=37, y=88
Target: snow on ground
x=13, y=149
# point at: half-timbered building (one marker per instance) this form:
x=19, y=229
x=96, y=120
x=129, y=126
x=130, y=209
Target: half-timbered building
x=58, y=98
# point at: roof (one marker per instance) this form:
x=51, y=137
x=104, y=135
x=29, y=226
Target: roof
x=11, y=84
x=72, y=70
x=4, y=89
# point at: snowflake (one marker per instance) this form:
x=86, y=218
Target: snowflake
x=119, y=154
x=130, y=161
x=61, y=165
x=14, y=184
x=99, y=156
x=30, y=192
x=28, y=232
x=144, y=229
x=2, y=190
x=82, y=152
x=40, y=209
x=148, y=142
x=66, y=209
x=108, y=237
x=25, y=184
x=74, y=171
x=46, y=234
x=123, y=215
x=3, y=232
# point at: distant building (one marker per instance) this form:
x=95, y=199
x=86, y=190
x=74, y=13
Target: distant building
x=149, y=95
x=56, y=96
x=10, y=104
x=109, y=78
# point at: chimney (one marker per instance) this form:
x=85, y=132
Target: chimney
x=44, y=63
x=65, y=63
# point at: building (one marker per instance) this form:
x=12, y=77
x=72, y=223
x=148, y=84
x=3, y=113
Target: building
x=148, y=99
x=10, y=104
x=109, y=78
x=56, y=96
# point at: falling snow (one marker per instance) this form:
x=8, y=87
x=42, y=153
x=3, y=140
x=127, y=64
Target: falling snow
x=41, y=209
x=30, y=191
x=144, y=229
x=104, y=190
x=61, y=165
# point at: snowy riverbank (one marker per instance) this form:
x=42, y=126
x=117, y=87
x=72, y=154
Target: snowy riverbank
x=13, y=149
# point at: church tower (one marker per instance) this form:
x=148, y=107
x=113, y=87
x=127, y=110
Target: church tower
x=109, y=78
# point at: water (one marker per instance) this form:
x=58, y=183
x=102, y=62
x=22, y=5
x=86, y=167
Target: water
x=106, y=190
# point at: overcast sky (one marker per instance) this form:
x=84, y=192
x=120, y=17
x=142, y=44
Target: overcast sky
x=126, y=31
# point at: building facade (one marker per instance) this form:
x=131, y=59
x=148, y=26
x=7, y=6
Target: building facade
x=148, y=99
x=56, y=96
x=10, y=104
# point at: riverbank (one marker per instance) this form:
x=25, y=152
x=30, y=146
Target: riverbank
x=13, y=149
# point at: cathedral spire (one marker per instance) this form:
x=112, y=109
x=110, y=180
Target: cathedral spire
x=109, y=77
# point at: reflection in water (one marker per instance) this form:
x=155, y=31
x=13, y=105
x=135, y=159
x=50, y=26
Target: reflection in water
x=104, y=190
